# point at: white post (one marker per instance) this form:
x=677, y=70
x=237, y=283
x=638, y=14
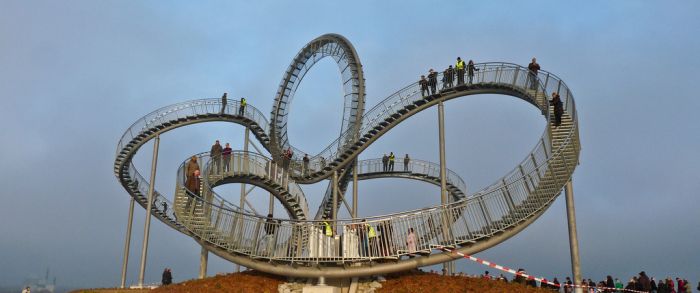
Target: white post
x=573, y=236
x=149, y=206
x=127, y=242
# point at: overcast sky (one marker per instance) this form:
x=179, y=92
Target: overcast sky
x=75, y=74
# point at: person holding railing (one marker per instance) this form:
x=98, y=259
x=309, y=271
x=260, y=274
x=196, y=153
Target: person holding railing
x=423, y=85
x=392, y=158
x=215, y=154
x=558, y=108
x=470, y=70
x=224, y=101
x=533, y=68
x=192, y=166
x=226, y=155
x=406, y=160
x=241, y=107
x=192, y=188
x=448, y=77
x=269, y=239
x=460, y=67
x=432, y=81
x=385, y=163
x=305, y=162
x=411, y=242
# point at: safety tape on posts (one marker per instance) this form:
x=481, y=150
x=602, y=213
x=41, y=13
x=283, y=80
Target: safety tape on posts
x=524, y=275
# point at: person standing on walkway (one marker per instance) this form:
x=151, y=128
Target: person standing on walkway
x=215, y=154
x=385, y=163
x=406, y=161
x=269, y=239
x=391, y=161
x=448, y=77
x=432, y=81
x=411, y=242
x=192, y=166
x=306, y=165
x=558, y=108
x=223, y=104
x=460, y=67
x=533, y=68
x=423, y=85
x=241, y=107
x=226, y=155
x=470, y=70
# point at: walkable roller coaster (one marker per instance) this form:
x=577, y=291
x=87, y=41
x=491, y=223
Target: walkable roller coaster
x=320, y=245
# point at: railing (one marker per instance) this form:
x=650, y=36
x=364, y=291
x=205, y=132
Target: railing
x=190, y=109
x=498, y=74
x=418, y=167
x=242, y=164
x=517, y=196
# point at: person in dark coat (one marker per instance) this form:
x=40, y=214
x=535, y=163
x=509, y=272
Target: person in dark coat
x=609, y=282
x=226, y=156
x=644, y=282
x=215, y=153
x=432, y=81
x=470, y=70
x=558, y=108
x=448, y=77
x=661, y=287
x=385, y=163
x=423, y=85
x=654, y=288
x=533, y=68
x=224, y=101
x=167, y=277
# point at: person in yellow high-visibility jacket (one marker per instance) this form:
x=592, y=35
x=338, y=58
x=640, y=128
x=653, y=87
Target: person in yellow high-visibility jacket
x=241, y=107
x=460, y=67
x=328, y=230
x=372, y=239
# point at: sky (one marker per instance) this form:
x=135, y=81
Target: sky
x=75, y=74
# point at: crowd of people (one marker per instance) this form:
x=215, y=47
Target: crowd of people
x=642, y=283
x=428, y=85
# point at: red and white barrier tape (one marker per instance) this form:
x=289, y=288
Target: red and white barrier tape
x=524, y=275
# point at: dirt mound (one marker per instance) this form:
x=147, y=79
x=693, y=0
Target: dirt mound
x=434, y=283
x=245, y=282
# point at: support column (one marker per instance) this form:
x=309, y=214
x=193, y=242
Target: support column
x=443, y=173
x=241, y=204
x=149, y=206
x=354, y=189
x=573, y=237
x=127, y=243
x=203, y=262
x=271, y=206
x=335, y=200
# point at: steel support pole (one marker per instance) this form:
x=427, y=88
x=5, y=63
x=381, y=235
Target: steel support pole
x=443, y=171
x=335, y=200
x=354, y=189
x=241, y=204
x=573, y=237
x=149, y=206
x=443, y=167
x=203, y=262
x=271, y=207
x=127, y=243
